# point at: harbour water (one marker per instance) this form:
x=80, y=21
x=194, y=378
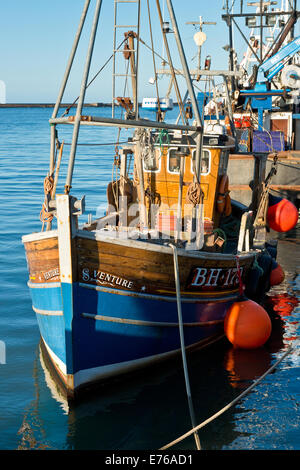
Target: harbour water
x=150, y=409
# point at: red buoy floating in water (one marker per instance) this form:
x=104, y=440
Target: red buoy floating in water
x=282, y=214
x=277, y=275
x=247, y=325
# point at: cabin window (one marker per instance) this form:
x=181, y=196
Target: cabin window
x=174, y=161
x=152, y=161
x=205, y=162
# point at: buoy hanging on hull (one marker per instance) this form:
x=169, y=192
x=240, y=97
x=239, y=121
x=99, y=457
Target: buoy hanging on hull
x=247, y=325
x=277, y=274
x=282, y=214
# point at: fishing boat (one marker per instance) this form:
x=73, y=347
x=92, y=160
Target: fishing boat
x=111, y=294
x=165, y=104
x=259, y=97
x=266, y=97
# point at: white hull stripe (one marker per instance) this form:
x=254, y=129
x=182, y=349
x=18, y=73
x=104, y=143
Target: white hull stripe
x=159, y=297
x=39, y=236
x=58, y=362
x=47, y=312
x=43, y=285
x=147, y=323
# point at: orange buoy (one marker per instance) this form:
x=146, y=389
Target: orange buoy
x=246, y=122
x=282, y=214
x=237, y=123
x=277, y=275
x=227, y=125
x=247, y=325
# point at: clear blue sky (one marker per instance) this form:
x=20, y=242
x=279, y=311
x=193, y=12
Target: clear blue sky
x=36, y=38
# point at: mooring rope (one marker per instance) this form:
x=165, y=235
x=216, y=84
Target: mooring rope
x=229, y=405
x=194, y=194
x=46, y=216
x=294, y=167
x=185, y=369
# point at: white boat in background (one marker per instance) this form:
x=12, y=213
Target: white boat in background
x=166, y=104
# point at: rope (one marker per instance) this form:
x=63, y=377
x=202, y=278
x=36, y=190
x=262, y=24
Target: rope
x=48, y=184
x=185, y=369
x=163, y=137
x=294, y=167
x=194, y=194
x=115, y=184
x=229, y=405
x=46, y=216
x=241, y=286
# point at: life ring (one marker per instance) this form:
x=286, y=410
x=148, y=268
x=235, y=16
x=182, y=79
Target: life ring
x=223, y=199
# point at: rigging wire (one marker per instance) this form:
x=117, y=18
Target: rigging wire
x=98, y=145
x=94, y=78
x=154, y=66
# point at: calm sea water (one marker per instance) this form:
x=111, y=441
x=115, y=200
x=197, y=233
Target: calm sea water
x=148, y=410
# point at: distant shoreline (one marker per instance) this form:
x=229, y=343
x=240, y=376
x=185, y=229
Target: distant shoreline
x=51, y=105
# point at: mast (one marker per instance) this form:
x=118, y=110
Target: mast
x=133, y=54
x=64, y=82
x=189, y=87
x=82, y=96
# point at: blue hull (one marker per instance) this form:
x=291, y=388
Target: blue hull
x=104, y=332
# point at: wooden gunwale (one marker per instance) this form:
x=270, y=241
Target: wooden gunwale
x=138, y=244
x=130, y=266
x=159, y=248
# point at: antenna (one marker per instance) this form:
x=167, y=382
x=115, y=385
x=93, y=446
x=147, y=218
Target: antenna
x=200, y=36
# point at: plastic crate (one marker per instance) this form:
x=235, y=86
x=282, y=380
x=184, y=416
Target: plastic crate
x=268, y=142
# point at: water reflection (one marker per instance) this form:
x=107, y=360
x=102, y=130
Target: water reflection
x=150, y=409
x=283, y=304
x=244, y=366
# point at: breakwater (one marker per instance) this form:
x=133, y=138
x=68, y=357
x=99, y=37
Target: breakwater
x=51, y=105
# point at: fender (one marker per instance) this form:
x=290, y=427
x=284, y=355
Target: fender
x=223, y=198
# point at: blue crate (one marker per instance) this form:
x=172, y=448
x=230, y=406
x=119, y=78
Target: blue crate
x=268, y=142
